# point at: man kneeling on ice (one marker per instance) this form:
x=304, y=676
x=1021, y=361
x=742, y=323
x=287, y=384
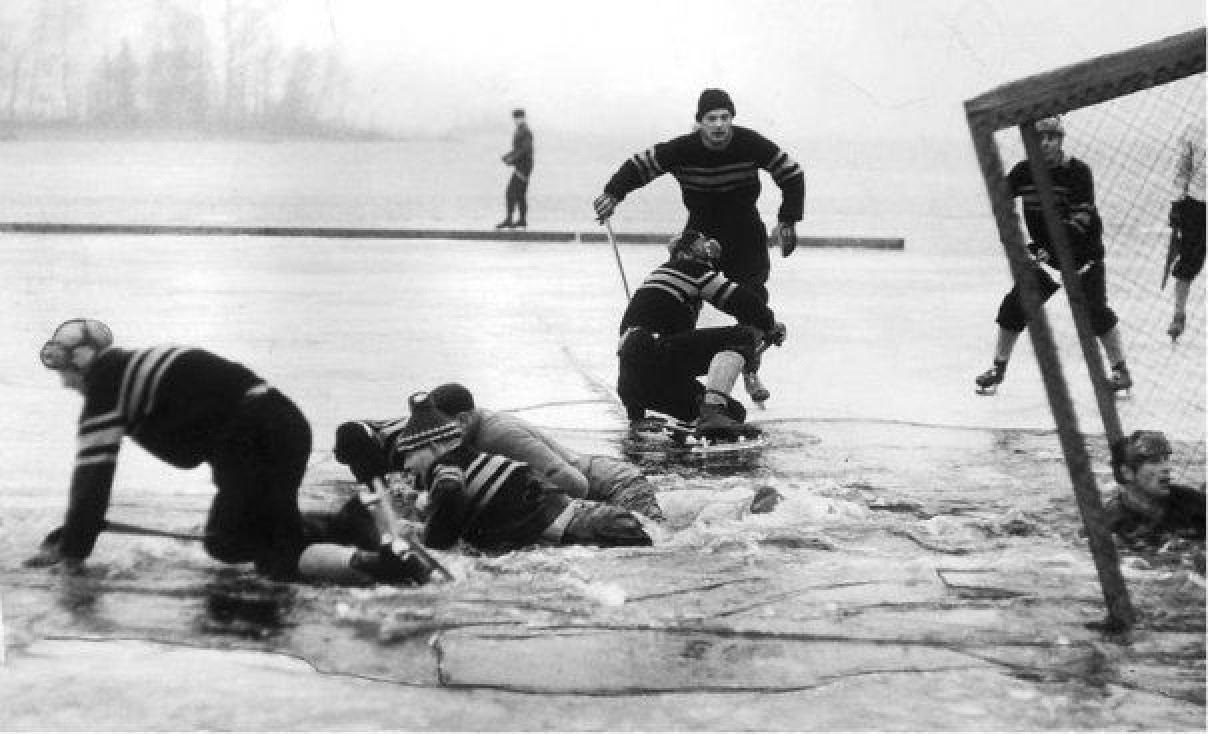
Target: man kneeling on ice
x=186, y=406
x=491, y=502
x=662, y=352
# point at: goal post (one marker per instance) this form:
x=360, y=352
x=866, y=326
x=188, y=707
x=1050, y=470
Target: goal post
x=1125, y=113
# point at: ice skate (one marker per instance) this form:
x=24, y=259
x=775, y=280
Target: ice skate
x=715, y=425
x=755, y=388
x=505, y=224
x=1121, y=381
x=1177, y=324
x=988, y=381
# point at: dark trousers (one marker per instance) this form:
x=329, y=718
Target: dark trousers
x=1012, y=317
x=662, y=374
x=744, y=249
x=516, y=198
x=1191, y=243
x=258, y=463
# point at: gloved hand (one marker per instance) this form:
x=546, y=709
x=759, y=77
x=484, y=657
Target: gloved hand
x=777, y=334
x=1080, y=222
x=786, y=236
x=605, y=204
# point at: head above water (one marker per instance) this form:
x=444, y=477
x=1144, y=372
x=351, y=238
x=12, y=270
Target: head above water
x=75, y=345
x=1132, y=452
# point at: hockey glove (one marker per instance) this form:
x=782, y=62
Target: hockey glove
x=777, y=334
x=605, y=204
x=786, y=235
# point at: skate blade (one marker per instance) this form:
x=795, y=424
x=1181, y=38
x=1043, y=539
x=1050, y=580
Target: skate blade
x=992, y=390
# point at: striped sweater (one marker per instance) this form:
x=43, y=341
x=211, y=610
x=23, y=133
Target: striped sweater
x=669, y=300
x=1074, y=191
x=492, y=502
x=172, y=401
x=717, y=185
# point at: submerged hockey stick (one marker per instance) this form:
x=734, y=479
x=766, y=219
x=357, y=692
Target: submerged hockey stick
x=620, y=267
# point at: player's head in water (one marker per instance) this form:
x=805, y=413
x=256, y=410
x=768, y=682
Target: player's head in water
x=1052, y=135
x=74, y=347
x=715, y=116
x=1141, y=460
x=694, y=245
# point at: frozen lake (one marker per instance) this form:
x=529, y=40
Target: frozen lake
x=924, y=571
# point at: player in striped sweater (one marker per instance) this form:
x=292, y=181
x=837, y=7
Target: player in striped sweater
x=662, y=352
x=187, y=406
x=491, y=502
x=717, y=168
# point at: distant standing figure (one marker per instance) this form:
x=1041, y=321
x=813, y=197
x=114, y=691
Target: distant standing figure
x=717, y=167
x=1074, y=189
x=1187, y=221
x=520, y=158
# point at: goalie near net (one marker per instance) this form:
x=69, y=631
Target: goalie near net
x=1114, y=94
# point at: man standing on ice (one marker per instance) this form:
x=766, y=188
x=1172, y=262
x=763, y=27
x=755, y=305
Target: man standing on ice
x=717, y=168
x=187, y=406
x=1074, y=189
x=662, y=352
x=520, y=158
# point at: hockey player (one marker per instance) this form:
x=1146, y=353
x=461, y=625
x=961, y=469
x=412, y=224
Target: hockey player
x=662, y=352
x=1074, y=189
x=598, y=478
x=491, y=502
x=187, y=406
x=1187, y=223
x=1147, y=507
x=717, y=167
x=590, y=476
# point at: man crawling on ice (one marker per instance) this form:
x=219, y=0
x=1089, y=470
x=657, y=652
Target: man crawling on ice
x=492, y=503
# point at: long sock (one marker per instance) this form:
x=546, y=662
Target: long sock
x=724, y=370
x=331, y=562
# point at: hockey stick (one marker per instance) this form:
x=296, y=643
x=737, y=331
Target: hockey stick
x=376, y=498
x=124, y=528
x=1176, y=237
x=620, y=267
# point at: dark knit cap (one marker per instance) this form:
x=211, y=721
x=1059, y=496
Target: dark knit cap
x=713, y=99
x=426, y=425
x=452, y=398
x=518, y=112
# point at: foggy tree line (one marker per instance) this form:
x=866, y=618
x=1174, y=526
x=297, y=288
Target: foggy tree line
x=167, y=66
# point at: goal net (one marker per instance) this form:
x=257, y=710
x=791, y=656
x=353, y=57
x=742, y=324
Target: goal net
x=1127, y=116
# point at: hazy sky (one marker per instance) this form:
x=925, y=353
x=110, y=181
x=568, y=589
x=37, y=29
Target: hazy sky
x=879, y=67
